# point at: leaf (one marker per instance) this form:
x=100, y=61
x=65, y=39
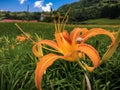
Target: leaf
x=97, y=31
x=37, y=48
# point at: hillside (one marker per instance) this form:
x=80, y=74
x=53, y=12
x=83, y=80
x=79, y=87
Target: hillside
x=92, y=9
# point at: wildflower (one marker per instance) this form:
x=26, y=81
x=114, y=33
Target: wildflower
x=71, y=48
x=21, y=38
x=24, y=36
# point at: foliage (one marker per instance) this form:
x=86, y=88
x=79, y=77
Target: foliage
x=16, y=65
x=21, y=15
x=92, y=9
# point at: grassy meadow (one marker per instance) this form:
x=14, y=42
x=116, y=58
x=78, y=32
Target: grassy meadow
x=17, y=62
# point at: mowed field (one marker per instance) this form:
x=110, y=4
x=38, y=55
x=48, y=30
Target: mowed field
x=17, y=62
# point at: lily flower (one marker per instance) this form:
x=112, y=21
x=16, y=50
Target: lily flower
x=21, y=38
x=70, y=47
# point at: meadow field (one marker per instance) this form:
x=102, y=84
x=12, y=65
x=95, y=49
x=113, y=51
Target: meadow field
x=17, y=62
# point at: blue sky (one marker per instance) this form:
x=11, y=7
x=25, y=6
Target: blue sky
x=41, y=5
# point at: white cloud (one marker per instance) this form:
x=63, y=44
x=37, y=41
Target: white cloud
x=46, y=8
x=22, y=1
x=38, y=4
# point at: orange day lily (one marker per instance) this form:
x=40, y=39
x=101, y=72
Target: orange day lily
x=21, y=38
x=71, y=48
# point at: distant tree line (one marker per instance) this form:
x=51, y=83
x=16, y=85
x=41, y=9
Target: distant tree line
x=26, y=16
x=20, y=15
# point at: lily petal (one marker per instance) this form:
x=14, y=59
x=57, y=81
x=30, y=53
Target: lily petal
x=92, y=54
x=96, y=31
x=37, y=50
x=62, y=43
x=42, y=65
x=46, y=42
x=89, y=68
x=75, y=33
x=84, y=30
x=66, y=36
x=49, y=43
x=112, y=49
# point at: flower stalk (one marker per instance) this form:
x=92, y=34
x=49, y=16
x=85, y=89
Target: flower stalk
x=87, y=81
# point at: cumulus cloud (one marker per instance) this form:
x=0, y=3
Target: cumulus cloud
x=45, y=8
x=22, y=1
x=38, y=4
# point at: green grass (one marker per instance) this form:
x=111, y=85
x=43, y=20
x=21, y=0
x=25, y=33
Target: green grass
x=17, y=64
x=103, y=21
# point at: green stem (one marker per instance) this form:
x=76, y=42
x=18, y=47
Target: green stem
x=80, y=64
x=86, y=77
x=24, y=32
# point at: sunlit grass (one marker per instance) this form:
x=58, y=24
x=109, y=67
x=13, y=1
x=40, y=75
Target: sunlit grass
x=103, y=21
